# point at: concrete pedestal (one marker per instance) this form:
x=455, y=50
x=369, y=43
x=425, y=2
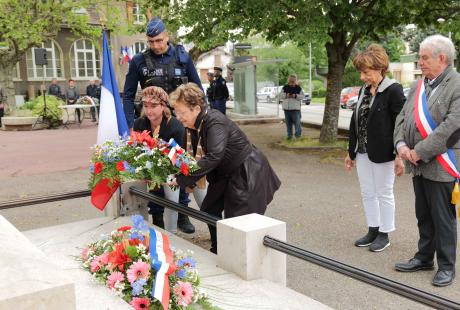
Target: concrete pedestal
x=240, y=247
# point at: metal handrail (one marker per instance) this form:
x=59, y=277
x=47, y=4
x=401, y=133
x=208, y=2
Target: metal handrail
x=395, y=287
x=199, y=215
x=43, y=199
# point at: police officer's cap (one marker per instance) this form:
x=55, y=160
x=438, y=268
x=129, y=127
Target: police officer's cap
x=218, y=69
x=155, y=27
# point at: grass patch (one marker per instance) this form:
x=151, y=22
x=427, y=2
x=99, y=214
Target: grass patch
x=319, y=100
x=312, y=142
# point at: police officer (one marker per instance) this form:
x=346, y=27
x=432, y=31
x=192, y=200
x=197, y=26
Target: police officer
x=219, y=91
x=162, y=64
x=166, y=66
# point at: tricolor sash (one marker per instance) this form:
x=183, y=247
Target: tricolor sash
x=426, y=125
x=162, y=261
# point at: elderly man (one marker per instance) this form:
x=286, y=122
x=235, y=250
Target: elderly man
x=429, y=118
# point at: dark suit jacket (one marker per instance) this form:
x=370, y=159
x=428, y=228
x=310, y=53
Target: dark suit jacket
x=386, y=106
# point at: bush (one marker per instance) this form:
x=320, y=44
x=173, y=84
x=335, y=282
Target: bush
x=320, y=92
x=53, y=112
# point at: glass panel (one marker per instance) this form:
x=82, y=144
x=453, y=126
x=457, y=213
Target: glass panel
x=89, y=65
x=39, y=71
x=49, y=72
x=47, y=44
x=90, y=73
x=79, y=44
x=81, y=73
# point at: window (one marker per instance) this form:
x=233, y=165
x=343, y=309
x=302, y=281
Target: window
x=138, y=14
x=53, y=69
x=139, y=47
x=85, y=60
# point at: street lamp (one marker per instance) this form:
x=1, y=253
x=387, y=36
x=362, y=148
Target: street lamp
x=441, y=21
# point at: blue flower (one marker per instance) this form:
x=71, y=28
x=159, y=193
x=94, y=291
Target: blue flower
x=136, y=235
x=187, y=262
x=138, y=286
x=91, y=168
x=181, y=273
x=138, y=222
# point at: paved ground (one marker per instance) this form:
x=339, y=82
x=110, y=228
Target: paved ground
x=319, y=201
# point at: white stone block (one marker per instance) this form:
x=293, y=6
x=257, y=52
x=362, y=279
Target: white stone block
x=27, y=279
x=240, y=247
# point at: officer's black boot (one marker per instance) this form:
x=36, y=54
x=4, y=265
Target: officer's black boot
x=183, y=223
x=157, y=220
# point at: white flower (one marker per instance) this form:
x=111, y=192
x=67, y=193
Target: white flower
x=148, y=165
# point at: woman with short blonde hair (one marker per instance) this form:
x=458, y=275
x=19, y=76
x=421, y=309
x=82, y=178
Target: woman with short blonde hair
x=371, y=145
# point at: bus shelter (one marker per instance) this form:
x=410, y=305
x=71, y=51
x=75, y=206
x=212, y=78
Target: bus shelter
x=256, y=87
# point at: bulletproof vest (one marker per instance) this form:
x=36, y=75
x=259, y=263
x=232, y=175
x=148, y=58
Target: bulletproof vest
x=167, y=76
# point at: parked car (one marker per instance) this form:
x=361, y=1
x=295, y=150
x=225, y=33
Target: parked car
x=351, y=103
x=268, y=93
x=346, y=94
x=306, y=98
x=406, y=92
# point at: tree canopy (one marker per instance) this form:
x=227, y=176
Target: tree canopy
x=337, y=25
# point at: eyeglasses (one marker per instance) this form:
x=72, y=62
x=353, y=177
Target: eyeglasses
x=181, y=113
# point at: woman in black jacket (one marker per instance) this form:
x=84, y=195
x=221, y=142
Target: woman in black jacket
x=371, y=145
x=241, y=180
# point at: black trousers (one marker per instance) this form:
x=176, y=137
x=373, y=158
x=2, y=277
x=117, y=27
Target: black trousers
x=216, y=209
x=437, y=224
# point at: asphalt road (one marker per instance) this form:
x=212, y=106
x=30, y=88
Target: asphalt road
x=319, y=201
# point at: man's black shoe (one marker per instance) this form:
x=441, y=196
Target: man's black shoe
x=414, y=264
x=183, y=223
x=157, y=220
x=368, y=238
x=443, y=278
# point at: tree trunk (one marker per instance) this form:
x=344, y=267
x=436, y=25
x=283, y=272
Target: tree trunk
x=336, y=67
x=6, y=82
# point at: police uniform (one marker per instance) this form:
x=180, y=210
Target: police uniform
x=168, y=71
x=219, y=93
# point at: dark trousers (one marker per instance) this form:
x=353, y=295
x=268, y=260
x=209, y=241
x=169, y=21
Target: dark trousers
x=292, y=118
x=1, y=115
x=216, y=209
x=437, y=224
x=219, y=104
x=156, y=209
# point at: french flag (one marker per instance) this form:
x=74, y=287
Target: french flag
x=161, y=258
x=112, y=120
x=112, y=123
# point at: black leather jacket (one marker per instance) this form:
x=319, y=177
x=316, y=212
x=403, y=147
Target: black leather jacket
x=234, y=168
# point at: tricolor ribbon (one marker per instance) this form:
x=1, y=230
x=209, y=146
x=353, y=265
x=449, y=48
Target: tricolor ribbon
x=426, y=125
x=162, y=261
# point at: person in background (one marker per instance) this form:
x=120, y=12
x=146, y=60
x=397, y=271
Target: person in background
x=291, y=98
x=219, y=91
x=71, y=96
x=421, y=144
x=241, y=180
x=93, y=90
x=2, y=104
x=370, y=145
x=209, y=90
x=157, y=118
x=54, y=89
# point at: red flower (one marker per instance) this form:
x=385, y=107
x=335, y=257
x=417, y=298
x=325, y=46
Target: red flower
x=98, y=167
x=180, y=151
x=165, y=151
x=120, y=166
x=117, y=258
x=141, y=137
x=124, y=228
x=184, y=169
x=134, y=242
